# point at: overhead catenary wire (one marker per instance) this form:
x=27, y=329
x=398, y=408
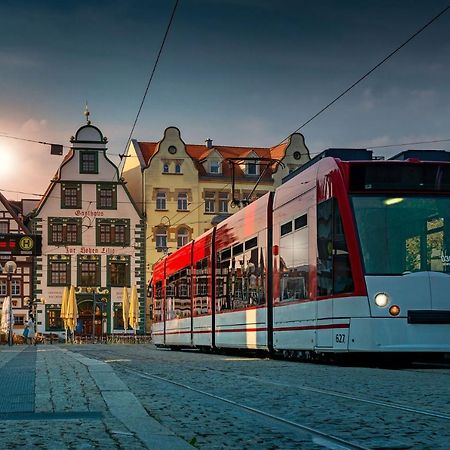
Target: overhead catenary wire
x=359, y=80
x=125, y=154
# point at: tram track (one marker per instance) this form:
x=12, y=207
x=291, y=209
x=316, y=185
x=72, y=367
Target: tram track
x=320, y=437
x=335, y=394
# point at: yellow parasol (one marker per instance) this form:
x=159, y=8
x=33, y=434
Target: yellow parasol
x=65, y=297
x=134, y=309
x=125, y=308
x=72, y=310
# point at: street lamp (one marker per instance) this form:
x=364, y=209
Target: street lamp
x=9, y=268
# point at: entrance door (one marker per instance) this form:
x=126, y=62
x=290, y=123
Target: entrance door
x=85, y=318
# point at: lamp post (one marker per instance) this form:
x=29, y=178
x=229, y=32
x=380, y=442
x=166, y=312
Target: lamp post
x=10, y=268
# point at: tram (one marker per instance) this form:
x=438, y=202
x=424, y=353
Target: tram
x=349, y=254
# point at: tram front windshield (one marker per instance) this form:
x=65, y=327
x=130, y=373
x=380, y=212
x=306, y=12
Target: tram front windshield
x=403, y=234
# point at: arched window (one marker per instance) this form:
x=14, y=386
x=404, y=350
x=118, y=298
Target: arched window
x=177, y=168
x=165, y=168
x=161, y=238
x=182, y=237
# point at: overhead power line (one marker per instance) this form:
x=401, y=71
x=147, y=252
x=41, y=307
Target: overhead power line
x=54, y=147
x=408, y=143
x=370, y=71
x=151, y=78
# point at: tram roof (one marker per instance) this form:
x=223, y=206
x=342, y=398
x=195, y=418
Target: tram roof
x=362, y=154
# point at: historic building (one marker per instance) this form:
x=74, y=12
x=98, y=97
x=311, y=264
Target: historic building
x=92, y=238
x=20, y=285
x=184, y=189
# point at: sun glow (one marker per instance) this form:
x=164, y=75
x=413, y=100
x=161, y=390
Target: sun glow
x=8, y=166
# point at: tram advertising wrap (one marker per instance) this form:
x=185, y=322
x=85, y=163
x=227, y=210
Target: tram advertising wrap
x=347, y=255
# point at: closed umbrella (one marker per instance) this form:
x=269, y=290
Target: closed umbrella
x=64, y=301
x=134, y=309
x=5, y=307
x=125, y=308
x=7, y=318
x=72, y=310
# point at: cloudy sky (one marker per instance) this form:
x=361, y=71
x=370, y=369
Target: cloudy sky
x=242, y=72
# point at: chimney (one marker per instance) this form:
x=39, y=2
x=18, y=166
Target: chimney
x=209, y=143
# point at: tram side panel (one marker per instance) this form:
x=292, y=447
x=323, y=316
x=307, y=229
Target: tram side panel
x=158, y=288
x=178, y=299
x=202, y=281
x=241, y=278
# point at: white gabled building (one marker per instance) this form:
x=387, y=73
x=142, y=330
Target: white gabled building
x=92, y=238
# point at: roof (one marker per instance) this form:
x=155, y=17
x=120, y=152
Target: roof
x=199, y=153
x=13, y=213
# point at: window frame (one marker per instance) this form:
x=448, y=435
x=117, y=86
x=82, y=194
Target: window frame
x=63, y=222
x=182, y=202
x=119, y=260
x=88, y=259
x=62, y=260
x=161, y=201
x=102, y=187
x=210, y=200
x=186, y=236
x=78, y=200
x=113, y=225
x=84, y=154
x=161, y=233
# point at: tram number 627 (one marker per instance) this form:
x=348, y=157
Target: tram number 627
x=340, y=338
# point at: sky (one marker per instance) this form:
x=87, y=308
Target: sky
x=241, y=72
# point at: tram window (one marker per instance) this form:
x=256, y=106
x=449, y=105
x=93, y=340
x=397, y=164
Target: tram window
x=286, y=228
x=301, y=222
x=240, y=282
x=294, y=265
x=178, y=295
x=333, y=266
x=157, y=313
x=226, y=254
x=201, y=290
x=251, y=243
x=413, y=233
x=238, y=249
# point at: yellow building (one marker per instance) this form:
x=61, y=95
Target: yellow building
x=185, y=189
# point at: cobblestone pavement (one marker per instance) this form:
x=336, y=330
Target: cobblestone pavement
x=117, y=397
x=371, y=407
x=75, y=404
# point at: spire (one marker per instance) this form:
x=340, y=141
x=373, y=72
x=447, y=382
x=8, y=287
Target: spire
x=87, y=114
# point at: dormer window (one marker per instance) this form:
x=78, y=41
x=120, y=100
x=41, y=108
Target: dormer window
x=214, y=167
x=251, y=168
x=88, y=162
x=165, y=168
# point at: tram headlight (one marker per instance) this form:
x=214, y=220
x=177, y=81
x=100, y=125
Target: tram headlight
x=381, y=299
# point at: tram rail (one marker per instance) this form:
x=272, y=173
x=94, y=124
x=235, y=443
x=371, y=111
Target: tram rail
x=319, y=437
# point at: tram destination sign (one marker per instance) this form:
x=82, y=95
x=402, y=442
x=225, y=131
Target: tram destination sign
x=20, y=244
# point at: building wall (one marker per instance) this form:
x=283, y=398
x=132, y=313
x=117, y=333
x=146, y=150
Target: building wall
x=22, y=278
x=88, y=215
x=196, y=219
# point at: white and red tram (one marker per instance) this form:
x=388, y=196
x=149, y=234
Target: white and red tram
x=349, y=254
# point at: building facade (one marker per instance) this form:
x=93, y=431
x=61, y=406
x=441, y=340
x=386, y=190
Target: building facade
x=185, y=189
x=20, y=286
x=92, y=238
